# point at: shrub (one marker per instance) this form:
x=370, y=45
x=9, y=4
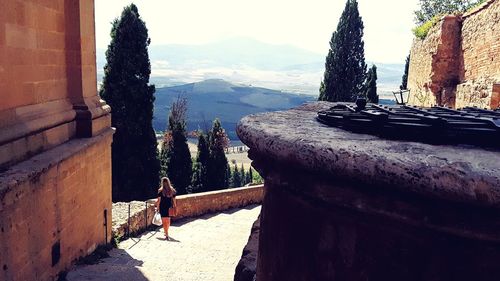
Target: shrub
x=422, y=30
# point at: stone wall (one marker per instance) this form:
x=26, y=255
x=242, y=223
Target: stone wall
x=480, y=50
x=457, y=65
x=191, y=205
x=58, y=197
x=347, y=206
x=47, y=76
x=55, y=139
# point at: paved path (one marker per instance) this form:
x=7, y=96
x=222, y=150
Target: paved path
x=207, y=248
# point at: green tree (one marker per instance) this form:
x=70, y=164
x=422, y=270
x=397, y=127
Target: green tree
x=243, y=175
x=175, y=150
x=431, y=8
x=249, y=176
x=404, y=79
x=217, y=163
x=236, y=177
x=200, y=173
x=371, y=85
x=227, y=178
x=126, y=89
x=345, y=67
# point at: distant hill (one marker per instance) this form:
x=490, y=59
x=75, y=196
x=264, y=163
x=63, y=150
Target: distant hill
x=216, y=98
x=248, y=61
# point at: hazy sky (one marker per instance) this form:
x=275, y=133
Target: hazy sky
x=306, y=24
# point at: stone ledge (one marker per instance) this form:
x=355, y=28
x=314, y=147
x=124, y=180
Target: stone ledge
x=37, y=165
x=455, y=173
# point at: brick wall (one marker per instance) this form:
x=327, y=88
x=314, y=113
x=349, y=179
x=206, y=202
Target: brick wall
x=191, y=205
x=457, y=64
x=434, y=64
x=481, y=64
x=58, y=196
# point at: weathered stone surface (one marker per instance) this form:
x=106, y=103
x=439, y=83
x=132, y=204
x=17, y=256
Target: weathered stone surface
x=58, y=196
x=457, y=64
x=459, y=173
x=246, y=270
x=435, y=63
x=345, y=206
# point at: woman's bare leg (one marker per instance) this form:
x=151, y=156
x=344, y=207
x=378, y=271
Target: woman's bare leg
x=166, y=224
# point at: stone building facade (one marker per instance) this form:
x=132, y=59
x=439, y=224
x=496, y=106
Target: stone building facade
x=458, y=63
x=55, y=139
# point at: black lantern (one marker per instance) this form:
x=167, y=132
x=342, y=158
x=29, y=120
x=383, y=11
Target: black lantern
x=402, y=96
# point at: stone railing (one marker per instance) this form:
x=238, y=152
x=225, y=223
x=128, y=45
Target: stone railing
x=190, y=205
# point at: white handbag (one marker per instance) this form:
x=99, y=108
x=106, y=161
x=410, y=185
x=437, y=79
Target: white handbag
x=157, y=219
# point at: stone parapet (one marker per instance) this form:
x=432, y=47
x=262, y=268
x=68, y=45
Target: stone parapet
x=345, y=206
x=190, y=205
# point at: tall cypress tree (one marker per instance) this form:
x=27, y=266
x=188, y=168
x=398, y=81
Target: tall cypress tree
x=176, y=150
x=243, y=175
x=200, y=173
x=371, y=85
x=217, y=164
x=236, y=177
x=249, y=176
x=345, y=67
x=126, y=89
x=404, y=79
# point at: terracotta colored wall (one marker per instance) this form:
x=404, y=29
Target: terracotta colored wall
x=481, y=64
x=47, y=76
x=57, y=196
x=191, y=205
x=32, y=52
x=55, y=139
x=457, y=64
x=434, y=64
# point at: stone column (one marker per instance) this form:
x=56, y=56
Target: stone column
x=345, y=206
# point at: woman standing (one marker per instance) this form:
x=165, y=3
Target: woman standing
x=165, y=201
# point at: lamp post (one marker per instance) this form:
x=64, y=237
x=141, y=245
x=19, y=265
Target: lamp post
x=400, y=96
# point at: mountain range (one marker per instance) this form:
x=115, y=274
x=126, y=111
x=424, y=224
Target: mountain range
x=250, y=62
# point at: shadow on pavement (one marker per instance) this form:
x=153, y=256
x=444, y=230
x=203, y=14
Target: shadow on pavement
x=118, y=266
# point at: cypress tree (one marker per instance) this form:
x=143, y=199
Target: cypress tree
x=126, y=89
x=249, y=176
x=200, y=173
x=179, y=166
x=243, y=176
x=217, y=163
x=236, y=178
x=371, y=85
x=227, y=178
x=404, y=79
x=345, y=67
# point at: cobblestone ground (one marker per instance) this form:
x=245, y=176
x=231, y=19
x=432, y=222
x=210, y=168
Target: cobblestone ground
x=206, y=248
